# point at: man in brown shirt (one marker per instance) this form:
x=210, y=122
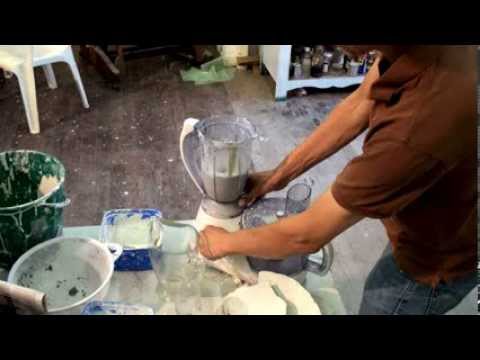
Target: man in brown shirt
x=417, y=174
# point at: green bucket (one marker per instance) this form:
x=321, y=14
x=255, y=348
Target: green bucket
x=32, y=198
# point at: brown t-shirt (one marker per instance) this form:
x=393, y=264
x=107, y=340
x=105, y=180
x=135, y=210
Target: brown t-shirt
x=417, y=172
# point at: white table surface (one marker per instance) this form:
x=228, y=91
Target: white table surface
x=141, y=287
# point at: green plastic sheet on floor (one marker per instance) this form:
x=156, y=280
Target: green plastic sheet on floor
x=211, y=72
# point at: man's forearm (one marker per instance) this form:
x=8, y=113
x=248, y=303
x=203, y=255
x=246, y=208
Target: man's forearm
x=301, y=234
x=342, y=125
x=345, y=122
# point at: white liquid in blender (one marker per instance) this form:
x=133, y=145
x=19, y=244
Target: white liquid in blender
x=223, y=188
x=223, y=184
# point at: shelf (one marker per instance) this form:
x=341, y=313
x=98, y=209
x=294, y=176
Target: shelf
x=332, y=73
x=276, y=60
x=325, y=82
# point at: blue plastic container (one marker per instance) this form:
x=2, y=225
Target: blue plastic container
x=115, y=308
x=132, y=259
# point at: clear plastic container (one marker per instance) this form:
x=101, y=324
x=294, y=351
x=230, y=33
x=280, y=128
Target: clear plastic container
x=178, y=268
x=137, y=230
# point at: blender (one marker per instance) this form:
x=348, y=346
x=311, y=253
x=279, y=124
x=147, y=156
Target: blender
x=217, y=155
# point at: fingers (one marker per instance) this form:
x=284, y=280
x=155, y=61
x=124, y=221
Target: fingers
x=204, y=246
x=250, y=198
x=243, y=202
x=246, y=201
x=206, y=242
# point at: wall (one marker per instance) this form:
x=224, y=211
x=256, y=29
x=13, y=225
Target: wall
x=231, y=52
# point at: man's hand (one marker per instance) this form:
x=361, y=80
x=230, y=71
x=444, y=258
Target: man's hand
x=211, y=242
x=259, y=184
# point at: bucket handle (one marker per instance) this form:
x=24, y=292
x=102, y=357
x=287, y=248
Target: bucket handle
x=115, y=249
x=59, y=205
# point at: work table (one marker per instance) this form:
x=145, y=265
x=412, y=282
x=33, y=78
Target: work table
x=141, y=287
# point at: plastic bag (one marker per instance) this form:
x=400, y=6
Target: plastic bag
x=210, y=72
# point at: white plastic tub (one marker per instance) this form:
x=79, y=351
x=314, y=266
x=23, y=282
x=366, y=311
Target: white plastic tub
x=70, y=271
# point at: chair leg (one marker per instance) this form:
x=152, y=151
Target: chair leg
x=50, y=75
x=26, y=80
x=70, y=60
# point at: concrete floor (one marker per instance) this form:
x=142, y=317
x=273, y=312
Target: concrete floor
x=123, y=152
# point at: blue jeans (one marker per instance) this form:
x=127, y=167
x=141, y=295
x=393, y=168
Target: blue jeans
x=390, y=291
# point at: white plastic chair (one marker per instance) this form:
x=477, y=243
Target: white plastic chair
x=21, y=59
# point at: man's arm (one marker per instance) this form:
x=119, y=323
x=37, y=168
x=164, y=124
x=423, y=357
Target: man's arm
x=305, y=233
x=346, y=121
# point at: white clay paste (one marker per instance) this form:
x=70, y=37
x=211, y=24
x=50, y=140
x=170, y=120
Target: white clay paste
x=258, y=299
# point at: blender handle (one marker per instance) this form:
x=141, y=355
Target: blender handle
x=327, y=261
x=188, y=127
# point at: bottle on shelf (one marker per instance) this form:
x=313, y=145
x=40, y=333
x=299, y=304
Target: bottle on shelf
x=346, y=63
x=317, y=61
x=364, y=65
x=354, y=67
x=307, y=62
x=297, y=52
x=338, y=58
x=297, y=69
x=327, y=59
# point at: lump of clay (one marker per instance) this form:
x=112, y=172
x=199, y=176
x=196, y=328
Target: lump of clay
x=299, y=299
x=47, y=185
x=258, y=299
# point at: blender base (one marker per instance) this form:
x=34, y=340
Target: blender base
x=235, y=265
x=203, y=220
x=221, y=210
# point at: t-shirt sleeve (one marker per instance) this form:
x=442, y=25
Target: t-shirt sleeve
x=386, y=178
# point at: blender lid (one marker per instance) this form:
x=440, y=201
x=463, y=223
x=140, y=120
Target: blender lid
x=241, y=130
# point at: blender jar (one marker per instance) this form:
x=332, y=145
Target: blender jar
x=225, y=160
